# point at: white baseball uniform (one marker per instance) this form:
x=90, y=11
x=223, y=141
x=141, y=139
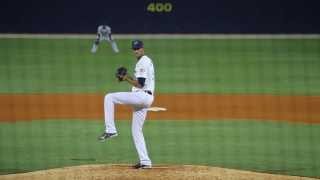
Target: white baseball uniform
x=140, y=100
x=104, y=34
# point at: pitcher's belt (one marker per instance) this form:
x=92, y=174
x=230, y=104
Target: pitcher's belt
x=148, y=92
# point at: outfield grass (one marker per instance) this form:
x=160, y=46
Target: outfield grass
x=267, y=66
x=272, y=147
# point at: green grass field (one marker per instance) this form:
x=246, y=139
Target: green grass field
x=272, y=147
x=220, y=66
x=191, y=66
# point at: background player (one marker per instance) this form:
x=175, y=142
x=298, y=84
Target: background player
x=104, y=34
x=140, y=98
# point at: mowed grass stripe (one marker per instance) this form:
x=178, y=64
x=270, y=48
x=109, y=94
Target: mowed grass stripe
x=272, y=147
x=268, y=66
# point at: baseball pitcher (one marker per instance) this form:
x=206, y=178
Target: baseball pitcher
x=104, y=34
x=140, y=98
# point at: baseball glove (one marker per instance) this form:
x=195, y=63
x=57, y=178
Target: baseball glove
x=121, y=72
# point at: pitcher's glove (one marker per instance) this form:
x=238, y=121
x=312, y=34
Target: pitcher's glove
x=121, y=73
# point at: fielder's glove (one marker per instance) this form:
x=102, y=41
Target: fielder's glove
x=121, y=73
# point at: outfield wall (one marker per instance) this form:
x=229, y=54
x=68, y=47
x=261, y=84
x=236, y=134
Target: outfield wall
x=229, y=16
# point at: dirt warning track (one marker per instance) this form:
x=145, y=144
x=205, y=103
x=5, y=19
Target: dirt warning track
x=16, y=107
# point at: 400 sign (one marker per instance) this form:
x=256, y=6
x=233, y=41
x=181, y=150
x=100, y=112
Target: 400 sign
x=159, y=7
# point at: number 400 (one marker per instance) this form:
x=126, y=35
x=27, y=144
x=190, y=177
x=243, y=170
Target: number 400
x=159, y=7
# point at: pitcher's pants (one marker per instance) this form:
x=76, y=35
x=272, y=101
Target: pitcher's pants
x=140, y=101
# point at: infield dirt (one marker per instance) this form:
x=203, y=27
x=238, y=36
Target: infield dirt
x=179, y=107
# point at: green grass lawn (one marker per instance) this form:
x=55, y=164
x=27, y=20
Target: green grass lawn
x=273, y=147
x=220, y=66
x=267, y=66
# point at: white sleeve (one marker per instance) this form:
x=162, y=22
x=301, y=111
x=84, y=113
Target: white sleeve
x=109, y=29
x=141, y=70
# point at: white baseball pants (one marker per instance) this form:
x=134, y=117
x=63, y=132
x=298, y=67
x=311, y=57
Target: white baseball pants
x=140, y=101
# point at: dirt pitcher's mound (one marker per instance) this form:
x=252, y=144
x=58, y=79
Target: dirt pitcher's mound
x=170, y=172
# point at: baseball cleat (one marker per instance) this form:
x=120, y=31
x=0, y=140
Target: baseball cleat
x=142, y=166
x=106, y=136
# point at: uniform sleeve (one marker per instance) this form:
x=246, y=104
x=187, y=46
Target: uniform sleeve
x=109, y=29
x=141, y=70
